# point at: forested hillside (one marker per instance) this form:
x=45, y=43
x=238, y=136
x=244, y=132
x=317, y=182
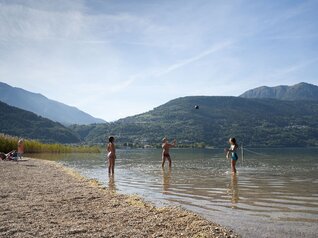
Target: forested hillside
x=21, y=123
x=256, y=122
x=44, y=107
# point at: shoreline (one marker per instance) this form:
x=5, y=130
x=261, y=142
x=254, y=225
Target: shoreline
x=45, y=199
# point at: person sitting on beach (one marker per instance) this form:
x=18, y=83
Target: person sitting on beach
x=111, y=155
x=12, y=155
x=234, y=157
x=165, y=151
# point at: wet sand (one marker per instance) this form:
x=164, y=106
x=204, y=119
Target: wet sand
x=43, y=199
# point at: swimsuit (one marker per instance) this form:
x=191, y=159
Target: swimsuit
x=166, y=155
x=234, y=156
x=110, y=155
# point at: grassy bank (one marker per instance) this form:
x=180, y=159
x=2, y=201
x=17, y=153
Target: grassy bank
x=8, y=143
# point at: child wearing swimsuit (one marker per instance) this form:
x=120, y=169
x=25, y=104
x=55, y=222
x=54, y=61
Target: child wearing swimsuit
x=234, y=157
x=165, y=151
x=111, y=155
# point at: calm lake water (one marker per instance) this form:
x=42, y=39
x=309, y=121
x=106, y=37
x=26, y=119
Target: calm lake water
x=274, y=194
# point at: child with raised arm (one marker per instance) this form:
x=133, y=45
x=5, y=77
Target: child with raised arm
x=111, y=154
x=234, y=157
x=165, y=151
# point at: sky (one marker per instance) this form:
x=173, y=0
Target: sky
x=117, y=58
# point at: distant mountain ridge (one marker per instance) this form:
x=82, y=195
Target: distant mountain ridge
x=21, y=123
x=44, y=107
x=256, y=122
x=301, y=91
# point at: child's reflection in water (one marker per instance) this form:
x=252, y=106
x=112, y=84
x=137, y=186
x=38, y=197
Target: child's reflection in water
x=166, y=176
x=111, y=183
x=233, y=190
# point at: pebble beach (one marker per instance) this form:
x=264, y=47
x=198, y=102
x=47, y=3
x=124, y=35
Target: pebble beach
x=44, y=199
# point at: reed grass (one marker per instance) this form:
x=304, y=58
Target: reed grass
x=9, y=143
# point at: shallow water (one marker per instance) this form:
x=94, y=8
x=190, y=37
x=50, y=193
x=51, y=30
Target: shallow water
x=274, y=194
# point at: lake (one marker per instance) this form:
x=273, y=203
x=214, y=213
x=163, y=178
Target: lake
x=274, y=194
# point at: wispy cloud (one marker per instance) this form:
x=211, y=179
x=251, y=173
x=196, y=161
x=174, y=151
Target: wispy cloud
x=218, y=47
x=292, y=36
x=290, y=12
x=123, y=50
x=284, y=72
x=156, y=73
x=288, y=74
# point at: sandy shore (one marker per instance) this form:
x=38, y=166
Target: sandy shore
x=43, y=199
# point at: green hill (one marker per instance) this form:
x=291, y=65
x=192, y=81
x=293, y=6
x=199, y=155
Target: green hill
x=21, y=123
x=256, y=122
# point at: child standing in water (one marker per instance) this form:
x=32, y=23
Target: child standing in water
x=234, y=157
x=165, y=151
x=111, y=154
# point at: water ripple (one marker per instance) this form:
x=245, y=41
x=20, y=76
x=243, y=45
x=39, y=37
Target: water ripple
x=273, y=193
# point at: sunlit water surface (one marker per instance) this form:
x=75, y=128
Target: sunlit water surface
x=274, y=194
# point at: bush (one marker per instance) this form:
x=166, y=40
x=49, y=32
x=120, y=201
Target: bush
x=9, y=143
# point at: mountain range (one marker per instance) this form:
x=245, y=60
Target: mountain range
x=44, y=107
x=256, y=120
x=301, y=91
